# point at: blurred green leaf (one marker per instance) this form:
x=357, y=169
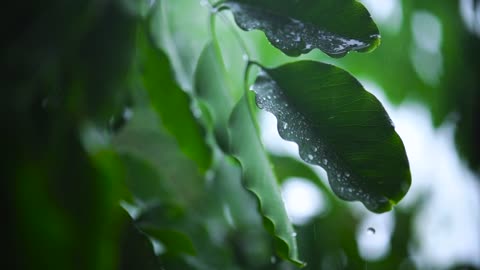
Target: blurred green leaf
x=136, y=249
x=175, y=241
x=213, y=90
x=144, y=181
x=259, y=178
x=171, y=103
x=296, y=27
x=339, y=126
x=144, y=138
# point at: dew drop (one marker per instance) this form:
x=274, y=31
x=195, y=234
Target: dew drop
x=310, y=157
x=371, y=231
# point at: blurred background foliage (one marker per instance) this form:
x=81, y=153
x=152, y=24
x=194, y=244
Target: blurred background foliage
x=98, y=174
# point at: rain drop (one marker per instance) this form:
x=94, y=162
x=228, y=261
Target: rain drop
x=310, y=157
x=273, y=259
x=285, y=125
x=127, y=113
x=371, y=231
x=294, y=234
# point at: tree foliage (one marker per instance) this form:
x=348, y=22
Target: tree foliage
x=120, y=135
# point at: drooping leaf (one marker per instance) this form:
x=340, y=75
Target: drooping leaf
x=238, y=205
x=212, y=88
x=236, y=132
x=339, y=126
x=296, y=27
x=258, y=178
x=171, y=103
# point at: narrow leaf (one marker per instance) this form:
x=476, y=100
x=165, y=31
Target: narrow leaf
x=214, y=91
x=259, y=178
x=296, y=27
x=339, y=126
x=236, y=131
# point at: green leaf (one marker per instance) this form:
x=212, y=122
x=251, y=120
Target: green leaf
x=236, y=131
x=296, y=27
x=136, y=250
x=214, y=91
x=144, y=138
x=175, y=241
x=171, y=103
x=143, y=180
x=339, y=126
x=258, y=177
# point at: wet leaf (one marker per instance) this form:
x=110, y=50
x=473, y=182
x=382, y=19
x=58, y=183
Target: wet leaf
x=171, y=103
x=236, y=132
x=296, y=27
x=339, y=126
x=258, y=178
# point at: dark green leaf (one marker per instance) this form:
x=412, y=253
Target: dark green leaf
x=174, y=241
x=136, y=249
x=259, y=178
x=171, y=103
x=339, y=126
x=295, y=27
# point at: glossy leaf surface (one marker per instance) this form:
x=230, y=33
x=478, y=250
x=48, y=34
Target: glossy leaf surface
x=339, y=126
x=297, y=27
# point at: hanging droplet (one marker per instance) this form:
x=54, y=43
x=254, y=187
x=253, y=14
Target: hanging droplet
x=371, y=231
